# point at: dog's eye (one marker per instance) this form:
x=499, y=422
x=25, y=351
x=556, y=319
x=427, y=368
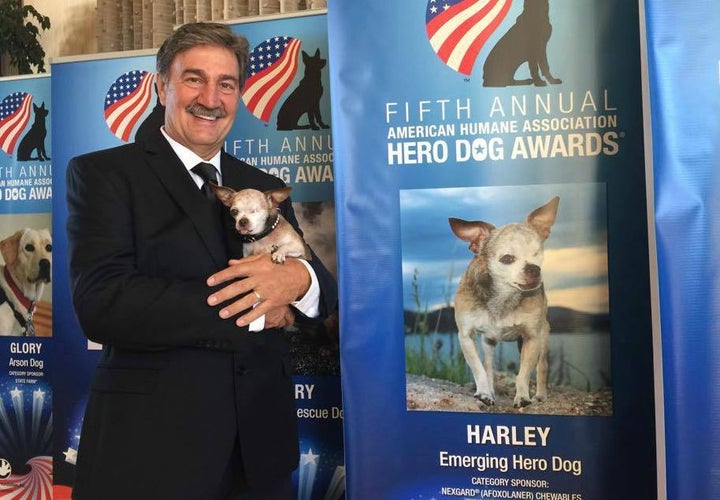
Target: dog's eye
x=48, y=248
x=30, y=247
x=507, y=259
x=233, y=212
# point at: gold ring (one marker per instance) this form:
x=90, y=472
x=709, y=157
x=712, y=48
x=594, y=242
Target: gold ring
x=258, y=296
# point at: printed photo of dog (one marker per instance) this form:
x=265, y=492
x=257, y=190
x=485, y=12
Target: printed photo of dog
x=502, y=298
x=506, y=299
x=24, y=274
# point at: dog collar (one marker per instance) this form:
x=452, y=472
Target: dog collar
x=27, y=303
x=534, y=291
x=251, y=238
x=25, y=322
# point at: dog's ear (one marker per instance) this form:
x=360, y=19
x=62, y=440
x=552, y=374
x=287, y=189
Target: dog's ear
x=224, y=194
x=541, y=219
x=276, y=196
x=474, y=232
x=9, y=247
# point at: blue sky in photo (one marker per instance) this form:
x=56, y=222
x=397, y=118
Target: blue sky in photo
x=575, y=267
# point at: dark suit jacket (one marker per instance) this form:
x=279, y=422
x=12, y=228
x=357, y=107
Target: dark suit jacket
x=176, y=386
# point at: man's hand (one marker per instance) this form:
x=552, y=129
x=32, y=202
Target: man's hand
x=259, y=282
x=280, y=317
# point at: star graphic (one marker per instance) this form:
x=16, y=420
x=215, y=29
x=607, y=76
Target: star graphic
x=70, y=455
x=309, y=457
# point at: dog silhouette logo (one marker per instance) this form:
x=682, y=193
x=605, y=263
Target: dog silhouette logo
x=14, y=116
x=34, y=140
x=525, y=42
x=126, y=101
x=458, y=29
x=271, y=69
x=305, y=98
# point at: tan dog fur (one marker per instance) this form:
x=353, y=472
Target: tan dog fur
x=28, y=258
x=501, y=296
x=253, y=211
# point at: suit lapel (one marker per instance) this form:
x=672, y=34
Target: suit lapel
x=180, y=186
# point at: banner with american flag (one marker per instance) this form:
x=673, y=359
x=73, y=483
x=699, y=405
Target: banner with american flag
x=286, y=91
x=490, y=109
x=14, y=116
x=26, y=197
x=458, y=29
x=126, y=101
x=272, y=68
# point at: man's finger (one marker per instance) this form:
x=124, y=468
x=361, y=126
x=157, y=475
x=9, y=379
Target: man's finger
x=236, y=269
x=235, y=289
x=253, y=314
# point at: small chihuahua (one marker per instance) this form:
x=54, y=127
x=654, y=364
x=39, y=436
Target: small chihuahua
x=262, y=228
x=501, y=296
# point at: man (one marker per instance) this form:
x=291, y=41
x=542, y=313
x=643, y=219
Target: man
x=189, y=400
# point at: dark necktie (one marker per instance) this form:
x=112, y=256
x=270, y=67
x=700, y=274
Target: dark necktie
x=207, y=172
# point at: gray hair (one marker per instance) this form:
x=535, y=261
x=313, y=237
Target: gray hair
x=191, y=35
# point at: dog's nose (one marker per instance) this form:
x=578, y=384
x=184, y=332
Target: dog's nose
x=532, y=271
x=44, y=270
x=243, y=222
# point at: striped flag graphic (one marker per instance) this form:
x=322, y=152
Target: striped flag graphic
x=458, y=29
x=37, y=483
x=272, y=68
x=126, y=101
x=14, y=116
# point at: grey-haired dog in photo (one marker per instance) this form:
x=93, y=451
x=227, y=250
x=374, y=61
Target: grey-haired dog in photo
x=501, y=296
x=260, y=224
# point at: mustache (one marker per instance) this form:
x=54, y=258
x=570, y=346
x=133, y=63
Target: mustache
x=200, y=110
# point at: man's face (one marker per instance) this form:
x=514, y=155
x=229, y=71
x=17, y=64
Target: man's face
x=201, y=97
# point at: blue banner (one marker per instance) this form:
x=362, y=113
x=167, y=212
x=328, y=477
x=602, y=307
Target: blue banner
x=26, y=287
x=684, y=64
x=490, y=162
